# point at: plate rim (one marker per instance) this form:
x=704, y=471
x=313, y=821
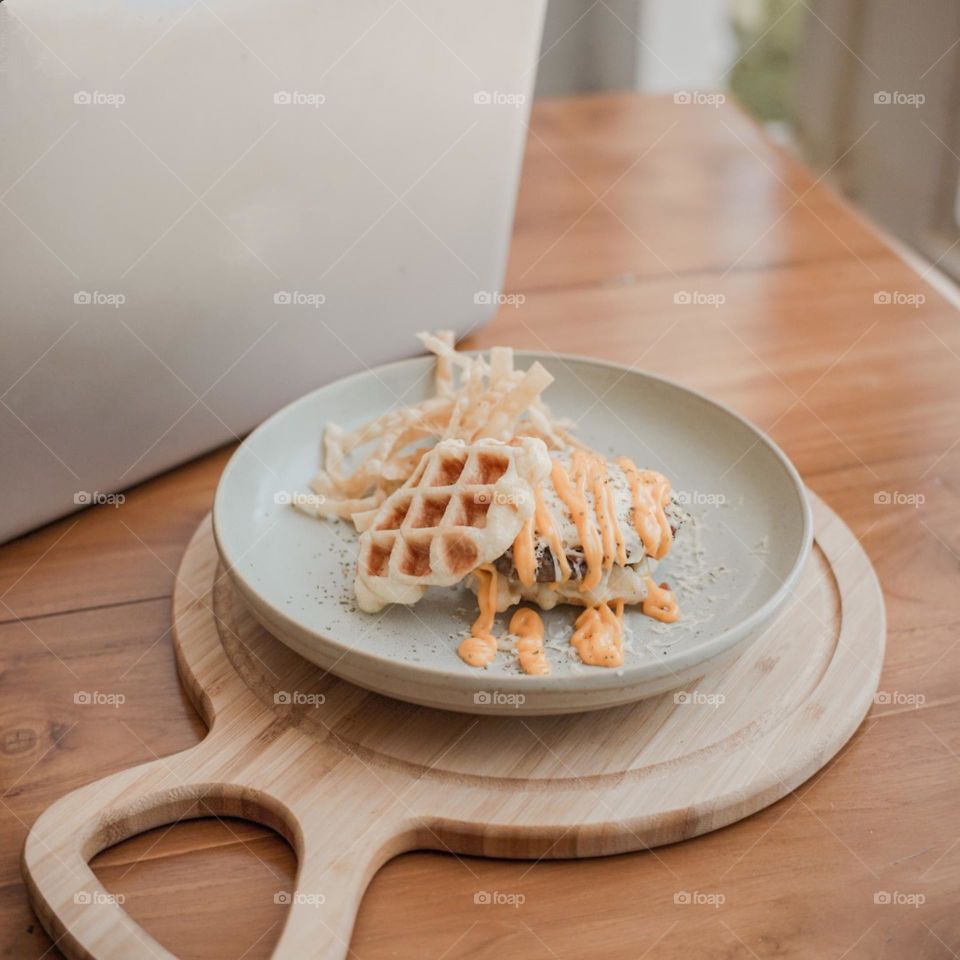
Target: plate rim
x=626, y=676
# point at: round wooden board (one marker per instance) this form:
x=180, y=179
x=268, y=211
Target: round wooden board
x=352, y=778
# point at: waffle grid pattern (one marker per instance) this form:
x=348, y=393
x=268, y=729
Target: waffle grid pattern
x=429, y=530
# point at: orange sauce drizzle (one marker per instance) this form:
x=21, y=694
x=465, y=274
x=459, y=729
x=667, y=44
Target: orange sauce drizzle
x=573, y=494
x=661, y=496
x=621, y=550
x=523, y=555
x=527, y=627
x=589, y=472
x=480, y=648
x=651, y=493
x=660, y=603
x=596, y=471
x=524, y=559
x=598, y=637
x=546, y=527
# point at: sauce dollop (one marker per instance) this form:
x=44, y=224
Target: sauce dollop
x=598, y=637
x=660, y=602
x=527, y=627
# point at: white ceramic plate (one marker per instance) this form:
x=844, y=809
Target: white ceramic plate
x=732, y=565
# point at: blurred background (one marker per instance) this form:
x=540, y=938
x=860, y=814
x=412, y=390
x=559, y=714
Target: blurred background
x=816, y=73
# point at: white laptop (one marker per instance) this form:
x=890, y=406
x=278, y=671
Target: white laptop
x=210, y=207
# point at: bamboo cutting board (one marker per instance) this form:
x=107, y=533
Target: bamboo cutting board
x=351, y=778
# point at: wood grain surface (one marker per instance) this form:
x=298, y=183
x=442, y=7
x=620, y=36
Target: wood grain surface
x=626, y=204
x=352, y=779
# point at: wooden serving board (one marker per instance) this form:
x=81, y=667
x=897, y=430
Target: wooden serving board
x=351, y=778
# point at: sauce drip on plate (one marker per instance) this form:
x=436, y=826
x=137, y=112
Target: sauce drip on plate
x=598, y=637
x=480, y=648
x=660, y=602
x=527, y=627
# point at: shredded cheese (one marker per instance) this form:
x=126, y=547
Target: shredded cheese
x=474, y=399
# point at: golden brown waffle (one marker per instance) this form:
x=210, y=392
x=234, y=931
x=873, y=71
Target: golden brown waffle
x=462, y=507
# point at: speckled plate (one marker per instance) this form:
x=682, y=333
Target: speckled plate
x=733, y=564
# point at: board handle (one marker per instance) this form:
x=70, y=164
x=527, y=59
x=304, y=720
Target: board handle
x=81, y=916
x=318, y=812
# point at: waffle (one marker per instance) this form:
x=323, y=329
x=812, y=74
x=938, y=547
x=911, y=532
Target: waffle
x=462, y=507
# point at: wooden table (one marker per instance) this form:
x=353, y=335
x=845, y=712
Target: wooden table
x=628, y=205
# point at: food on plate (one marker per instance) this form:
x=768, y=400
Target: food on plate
x=463, y=508
x=481, y=483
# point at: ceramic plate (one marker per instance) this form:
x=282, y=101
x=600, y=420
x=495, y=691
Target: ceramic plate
x=733, y=564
